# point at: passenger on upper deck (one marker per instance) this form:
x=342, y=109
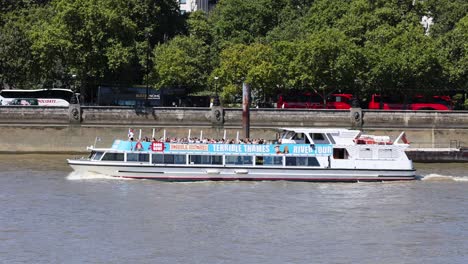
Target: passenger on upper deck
x=130, y=134
x=196, y=140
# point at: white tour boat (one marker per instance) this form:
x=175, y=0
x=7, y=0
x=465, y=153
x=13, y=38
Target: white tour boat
x=301, y=154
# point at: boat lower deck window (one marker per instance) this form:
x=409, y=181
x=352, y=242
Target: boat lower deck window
x=169, y=159
x=238, y=160
x=113, y=157
x=206, y=159
x=269, y=160
x=138, y=157
x=302, y=161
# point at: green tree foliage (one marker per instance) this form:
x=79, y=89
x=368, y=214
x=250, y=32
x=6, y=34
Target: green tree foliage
x=324, y=14
x=87, y=37
x=402, y=59
x=14, y=53
x=15, y=5
x=360, y=46
x=454, y=49
x=104, y=41
x=253, y=64
x=199, y=27
x=156, y=22
x=363, y=17
x=326, y=61
x=185, y=60
x=181, y=62
x=19, y=68
x=291, y=22
x=446, y=14
x=239, y=21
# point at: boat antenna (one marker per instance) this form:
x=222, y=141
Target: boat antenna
x=97, y=139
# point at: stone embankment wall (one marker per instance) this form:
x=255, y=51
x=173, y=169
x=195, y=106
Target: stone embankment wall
x=63, y=129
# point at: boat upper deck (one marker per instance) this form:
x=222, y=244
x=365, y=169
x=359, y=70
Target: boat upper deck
x=221, y=149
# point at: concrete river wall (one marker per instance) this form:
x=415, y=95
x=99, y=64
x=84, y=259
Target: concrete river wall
x=71, y=129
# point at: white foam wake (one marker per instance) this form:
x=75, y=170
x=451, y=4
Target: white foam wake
x=439, y=177
x=77, y=175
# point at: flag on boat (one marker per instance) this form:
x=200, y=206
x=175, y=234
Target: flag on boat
x=404, y=139
x=130, y=133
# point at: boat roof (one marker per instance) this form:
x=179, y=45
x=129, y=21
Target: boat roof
x=317, y=130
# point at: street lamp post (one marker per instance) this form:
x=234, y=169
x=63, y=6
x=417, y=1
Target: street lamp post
x=147, y=68
x=147, y=31
x=73, y=77
x=216, y=98
x=74, y=100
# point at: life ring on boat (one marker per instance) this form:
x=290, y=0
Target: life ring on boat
x=218, y=115
x=75, y=114
x=357, y=116
x=364, y=141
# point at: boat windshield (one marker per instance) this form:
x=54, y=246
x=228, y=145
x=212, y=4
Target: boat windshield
x=287, y=134
x=95, y=155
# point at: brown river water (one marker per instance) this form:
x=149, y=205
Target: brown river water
x=51, y=215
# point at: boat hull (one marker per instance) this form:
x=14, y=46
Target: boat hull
x=239, y=173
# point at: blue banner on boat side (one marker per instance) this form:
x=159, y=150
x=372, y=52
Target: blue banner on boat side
x=252, y=149
x=125, y=145
x=233, y=149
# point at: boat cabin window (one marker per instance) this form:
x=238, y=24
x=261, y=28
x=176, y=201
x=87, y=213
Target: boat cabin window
x=340, y=153
x=288, y=134
x=330, y=137
x=299, y=136
x=269, y=160
x=238, y=160
x=168, y=159
x=365, y=153
x=113, y=156
x=139, y=157
x=387, y=154
x=302, y=161
x=319, y=138
x=96, y=155
x=206, y=159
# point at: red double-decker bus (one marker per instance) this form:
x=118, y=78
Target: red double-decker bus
x=312, y=100
x=339, y=101
x=417, y=102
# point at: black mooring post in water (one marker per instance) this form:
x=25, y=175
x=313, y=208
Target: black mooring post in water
x=246, y=109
